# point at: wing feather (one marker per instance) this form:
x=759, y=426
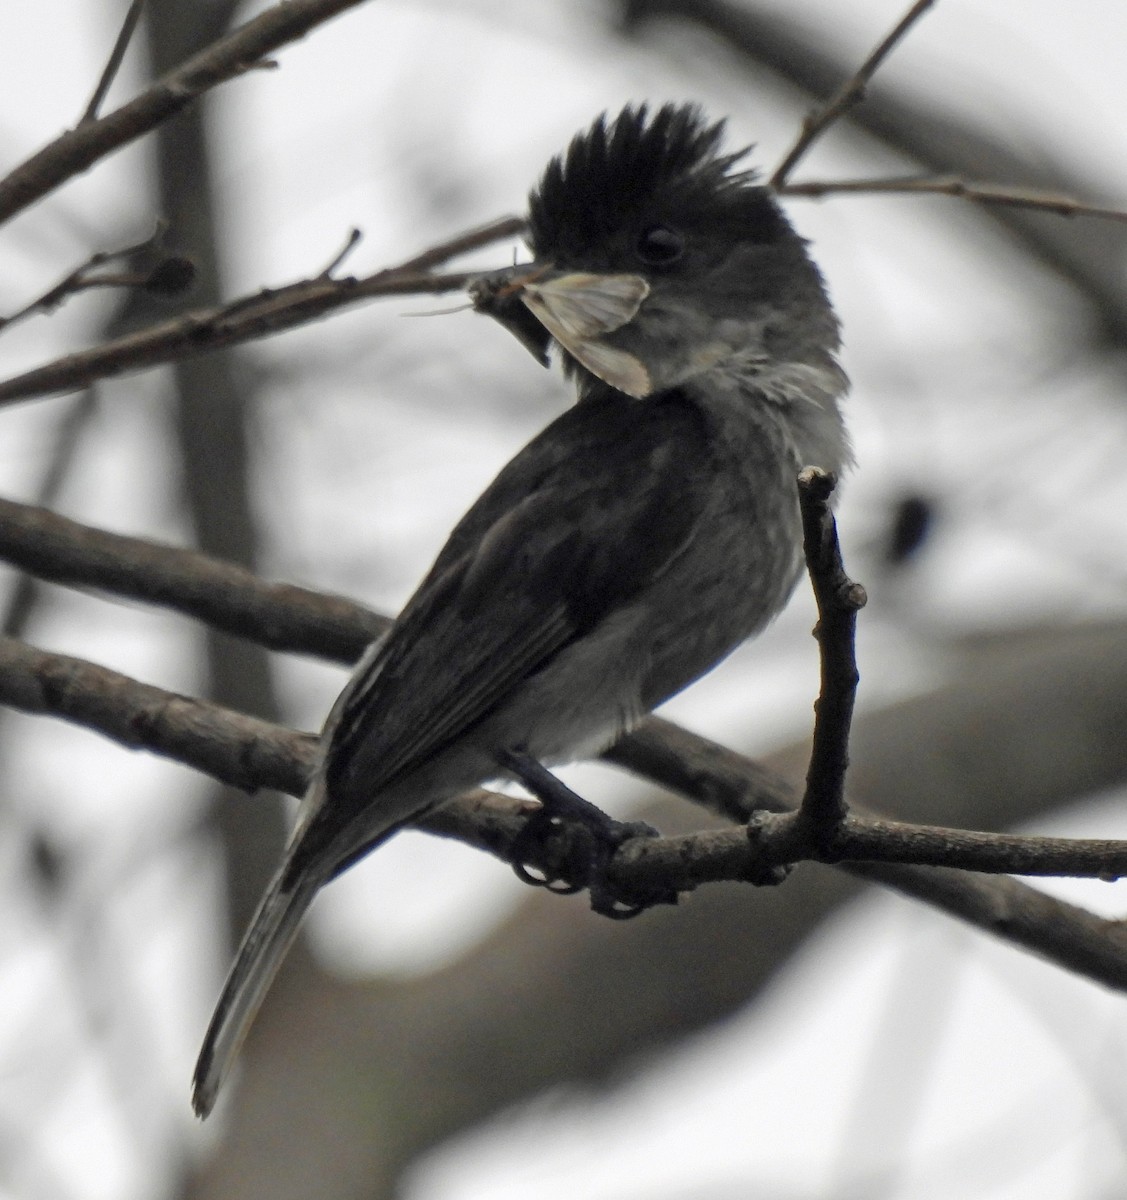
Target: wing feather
x=582, y=519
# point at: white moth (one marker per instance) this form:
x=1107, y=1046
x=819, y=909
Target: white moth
x=577, y=308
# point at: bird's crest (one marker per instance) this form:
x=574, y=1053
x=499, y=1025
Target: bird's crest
x=612, y=172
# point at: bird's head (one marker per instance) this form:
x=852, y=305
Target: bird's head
x=658, y=262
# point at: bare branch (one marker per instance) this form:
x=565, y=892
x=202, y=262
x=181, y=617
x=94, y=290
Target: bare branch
x=914, y=127
x=462, y=243
x=868, y=839
x=164, y=273
x=744, y=791
x=350, y=244
x=238, y=750
x=1059, y=932
x=221, y=594
x=872, y=840
x=113, y=65
x=271, y=310
x=80, y=148
x=839, y=599
x=738, y=787
x=247, y=753
x=954, y=185
x=697, y=768
x=850, y=93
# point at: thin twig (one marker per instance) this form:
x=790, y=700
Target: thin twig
x=226, y=596
x=956, y=186
x=71, y=284
x=913, y=127
x=850, y=93
x=463, y=243
x=839, y=599
x=271, y=310
x=78, y=149
x=117, y=54
x=351, y=242
x=80, y=279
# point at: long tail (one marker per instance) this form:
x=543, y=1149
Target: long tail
x=270, y=935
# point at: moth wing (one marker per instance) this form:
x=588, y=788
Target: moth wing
x=577, y=308
x=584, y=305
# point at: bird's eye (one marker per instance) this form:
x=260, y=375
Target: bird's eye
x=659, y=245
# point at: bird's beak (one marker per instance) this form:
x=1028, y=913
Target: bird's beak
x=576, y=308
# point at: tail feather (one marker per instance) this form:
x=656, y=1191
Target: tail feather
x=270, y=935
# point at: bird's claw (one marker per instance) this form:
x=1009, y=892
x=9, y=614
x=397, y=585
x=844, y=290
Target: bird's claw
x=591, y=848
x=611, y=902
x=529, y=845
x=591, y=840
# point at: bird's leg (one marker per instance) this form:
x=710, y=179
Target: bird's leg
x=560, y=805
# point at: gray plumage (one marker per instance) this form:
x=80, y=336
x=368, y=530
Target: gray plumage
x=628, y=548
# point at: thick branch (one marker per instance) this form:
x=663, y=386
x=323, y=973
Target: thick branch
x=249, y=753
x=239, y=750
x=80, y=148
x=743, y=790
x=695, y=767
x=280, y=616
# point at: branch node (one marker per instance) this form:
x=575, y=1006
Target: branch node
x=851, y=596
x=764, y=868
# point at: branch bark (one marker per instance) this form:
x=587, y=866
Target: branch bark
x=697, y=768
x=850, y=93
x=944, y=145
x=247, y=753
x=80, y=148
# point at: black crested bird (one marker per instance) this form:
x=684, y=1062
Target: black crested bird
x=628, y=548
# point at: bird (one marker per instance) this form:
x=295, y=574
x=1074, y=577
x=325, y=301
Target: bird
x=643, y=535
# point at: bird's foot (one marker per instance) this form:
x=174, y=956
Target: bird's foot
x=593, y=839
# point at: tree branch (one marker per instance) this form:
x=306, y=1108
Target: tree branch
x=248, y=753
x=960, y=188
x=163, y=273
x=743, y=790
x=808, y=59
x=850, y=93
x=280, y=616
x=839, y=599
x=236, y=749
x=268, y=311
x=113, y=64
x=80, y=148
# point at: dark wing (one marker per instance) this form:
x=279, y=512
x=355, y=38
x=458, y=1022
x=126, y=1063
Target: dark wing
x=579, y=522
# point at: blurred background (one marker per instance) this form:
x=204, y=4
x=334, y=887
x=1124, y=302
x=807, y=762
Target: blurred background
x=442, y=1033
